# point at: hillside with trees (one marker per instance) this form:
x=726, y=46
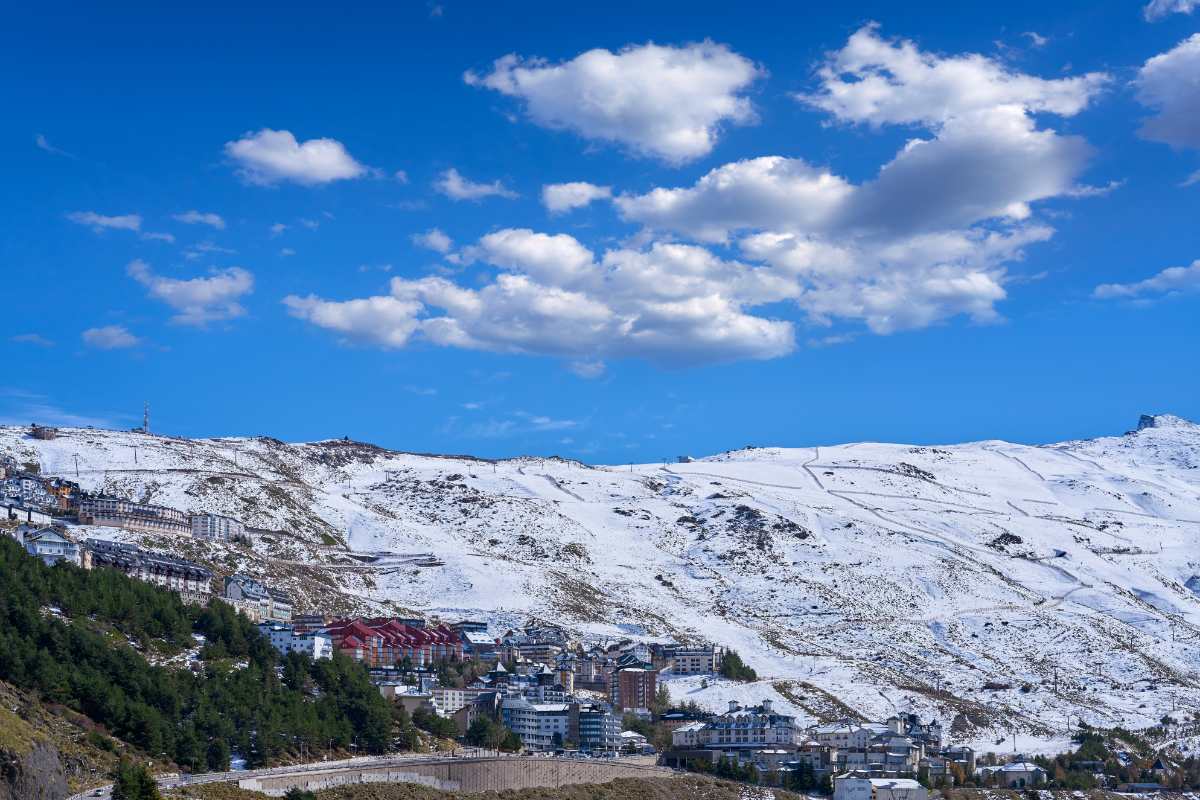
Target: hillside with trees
x=80, y=639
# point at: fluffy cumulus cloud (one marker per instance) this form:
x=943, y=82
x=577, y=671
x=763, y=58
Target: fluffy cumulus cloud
x=1172, y=280
x=384, y=321
x=550, y=295
x=457, y=187
x=927, y=237
x=1169, y=84
x=877, y=81
x=931, y=236
x=268, y=157
x=1157, y=9
x=562, y=197
x=110, y=337
x=102, y=222
x=663, y=102
x=194, y=217
x=197, y=301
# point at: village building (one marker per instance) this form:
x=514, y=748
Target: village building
x=13, y=509
x=694, y=660
x=850, y=787
x=541, y=726
x=286, y=639
x=594, y=727
x=192, y=582
x=386, y=642
x=51, y=546
x=749, y=728
x=258, y=602
x=116, y=512
x=632, y=688
x=216, y=527
x=1014, y=775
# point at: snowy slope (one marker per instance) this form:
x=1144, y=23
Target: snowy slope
x=1003, y=588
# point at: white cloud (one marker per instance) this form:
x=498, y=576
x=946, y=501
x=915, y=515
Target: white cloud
x=1036, y=39
x=657, y=101
x=1157, y=9
x=1168, y=84
x=169, y=238
x=928, y=237
x=270, y=156
x=400, y=176
x=43, y=143
x=560, y=197
x=454, y=185
x=277, y=229
x=588, y=370
x=287, y=251
x=1172, y=280
x=1192, y=179
x=875, y=81
x=100, y=222
x=669, y=304
x=983, y=165
x=197, y=301
x=519, y=422
x=110, y=337
x=901, y=284
x=31, y=338
x=201, y=249
x=434, y=239
x=771, y=192
x=384, y=321
x=194, y=217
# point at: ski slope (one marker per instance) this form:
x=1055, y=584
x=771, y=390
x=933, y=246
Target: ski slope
x=1003, y=588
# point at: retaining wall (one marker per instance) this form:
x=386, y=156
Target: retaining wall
x=465, y=775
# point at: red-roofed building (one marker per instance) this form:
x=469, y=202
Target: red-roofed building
x=384, y=642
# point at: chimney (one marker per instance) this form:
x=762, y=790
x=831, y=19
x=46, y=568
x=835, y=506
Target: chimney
x=733, y=706
x=766, y=706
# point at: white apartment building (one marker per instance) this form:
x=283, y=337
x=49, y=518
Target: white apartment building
x=688, y=736
x=541, y=726
x=216, y=527
x=314, y=644
x=746, y=728
x=695, y=661
x=116, y=512
x=846, y=787
x=448, y=699
x=258, y=602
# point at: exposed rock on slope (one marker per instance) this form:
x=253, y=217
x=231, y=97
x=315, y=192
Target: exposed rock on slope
x=878, y=577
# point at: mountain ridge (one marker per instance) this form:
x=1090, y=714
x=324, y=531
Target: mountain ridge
x=867, y=576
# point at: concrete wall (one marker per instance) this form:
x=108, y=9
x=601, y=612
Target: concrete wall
x=461, y=775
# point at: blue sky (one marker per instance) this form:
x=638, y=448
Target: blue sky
x=617, y=234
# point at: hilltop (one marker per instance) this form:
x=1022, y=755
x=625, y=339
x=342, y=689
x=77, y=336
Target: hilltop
x=1001, y=588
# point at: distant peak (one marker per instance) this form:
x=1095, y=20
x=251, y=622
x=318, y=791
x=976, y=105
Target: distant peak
x=1163, y=421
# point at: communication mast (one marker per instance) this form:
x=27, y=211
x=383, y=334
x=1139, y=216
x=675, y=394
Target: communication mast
x=146, y=417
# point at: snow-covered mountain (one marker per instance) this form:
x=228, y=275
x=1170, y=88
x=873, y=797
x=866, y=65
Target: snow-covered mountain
x=1002, y=588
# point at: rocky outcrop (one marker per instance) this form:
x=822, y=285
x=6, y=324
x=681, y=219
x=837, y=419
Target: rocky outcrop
x=35, y=775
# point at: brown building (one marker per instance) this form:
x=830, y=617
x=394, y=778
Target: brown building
x=632, y=688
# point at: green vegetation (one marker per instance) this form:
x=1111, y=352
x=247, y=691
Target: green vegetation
x=245, y=695
x=428, y=720
x=733, y=668
x=486, y=732
x=133, y=782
